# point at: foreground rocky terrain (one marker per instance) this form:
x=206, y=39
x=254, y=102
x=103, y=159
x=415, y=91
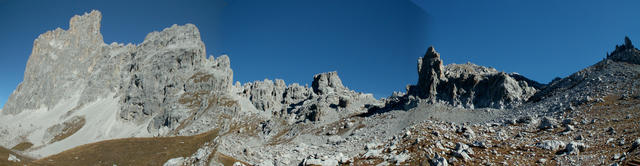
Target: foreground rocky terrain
x=164, y=102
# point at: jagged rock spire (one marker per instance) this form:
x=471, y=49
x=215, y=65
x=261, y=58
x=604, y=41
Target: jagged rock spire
x=430, y=72
x=468, y=85
x=627, y=43
x=625, y=53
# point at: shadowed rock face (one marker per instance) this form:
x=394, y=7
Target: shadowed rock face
x=59, y=60
x=625, y=53
x=149, y=78
x=469, y=85
x=430, y=72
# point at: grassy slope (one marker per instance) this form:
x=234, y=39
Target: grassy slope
x=130, y=151
x=4, y=155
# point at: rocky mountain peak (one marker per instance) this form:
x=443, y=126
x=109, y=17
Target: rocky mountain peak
x=468, y=85
x=325, y=83
x=174, y=34
x=89, y=21
x=430, y=71
x=87, y=25
x=627, y=42
x=625, y=53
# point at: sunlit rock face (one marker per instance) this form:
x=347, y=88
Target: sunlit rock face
x=469, y=85
x=149, y=78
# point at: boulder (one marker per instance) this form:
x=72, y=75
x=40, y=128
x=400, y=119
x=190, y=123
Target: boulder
x=13, y=158
x=462, y=151
x=547, y=123
x=438, y=161
x=574, y=148
x=552, y=145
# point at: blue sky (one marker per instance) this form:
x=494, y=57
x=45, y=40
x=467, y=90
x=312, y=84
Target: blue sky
x=373, y=44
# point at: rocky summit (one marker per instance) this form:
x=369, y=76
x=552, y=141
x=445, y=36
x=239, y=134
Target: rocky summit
x=165, y=102
x=469, y=85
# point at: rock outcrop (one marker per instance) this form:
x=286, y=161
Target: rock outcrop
x=275, y=96
x=326, y=83
x=469, y=85
x=430, y=72
x=325, y=98
x=150, y=78
x=625, y=53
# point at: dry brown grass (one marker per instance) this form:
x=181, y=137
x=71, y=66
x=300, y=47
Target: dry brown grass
x=22, y=146
x=193, y=100
x=69, y=128
x=201, y=77
x=4, y=155
x=221, y=101
x=131, y=151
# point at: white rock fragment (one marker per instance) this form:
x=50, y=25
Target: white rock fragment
x=438, y=161
x=574, y=148
x=13, y=158
x=552, y=145
x=174, y=162
x=462, y=151
x=238, y=164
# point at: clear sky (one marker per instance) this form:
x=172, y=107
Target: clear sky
x=373, y=44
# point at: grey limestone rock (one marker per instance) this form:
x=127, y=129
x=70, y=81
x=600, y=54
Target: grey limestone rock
x=635, y=144
x=462, y=151
x=275, y=96
x=625, y=53
x=438, y=161
x=469, y=85
x=430, y=73
x=266, y=95
x=552, y=145
x=150, y=78
x=547, y=123
x=327, y=98
x=574, y=148
x=325, y=83
x=59, y=64
x=13, y=158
